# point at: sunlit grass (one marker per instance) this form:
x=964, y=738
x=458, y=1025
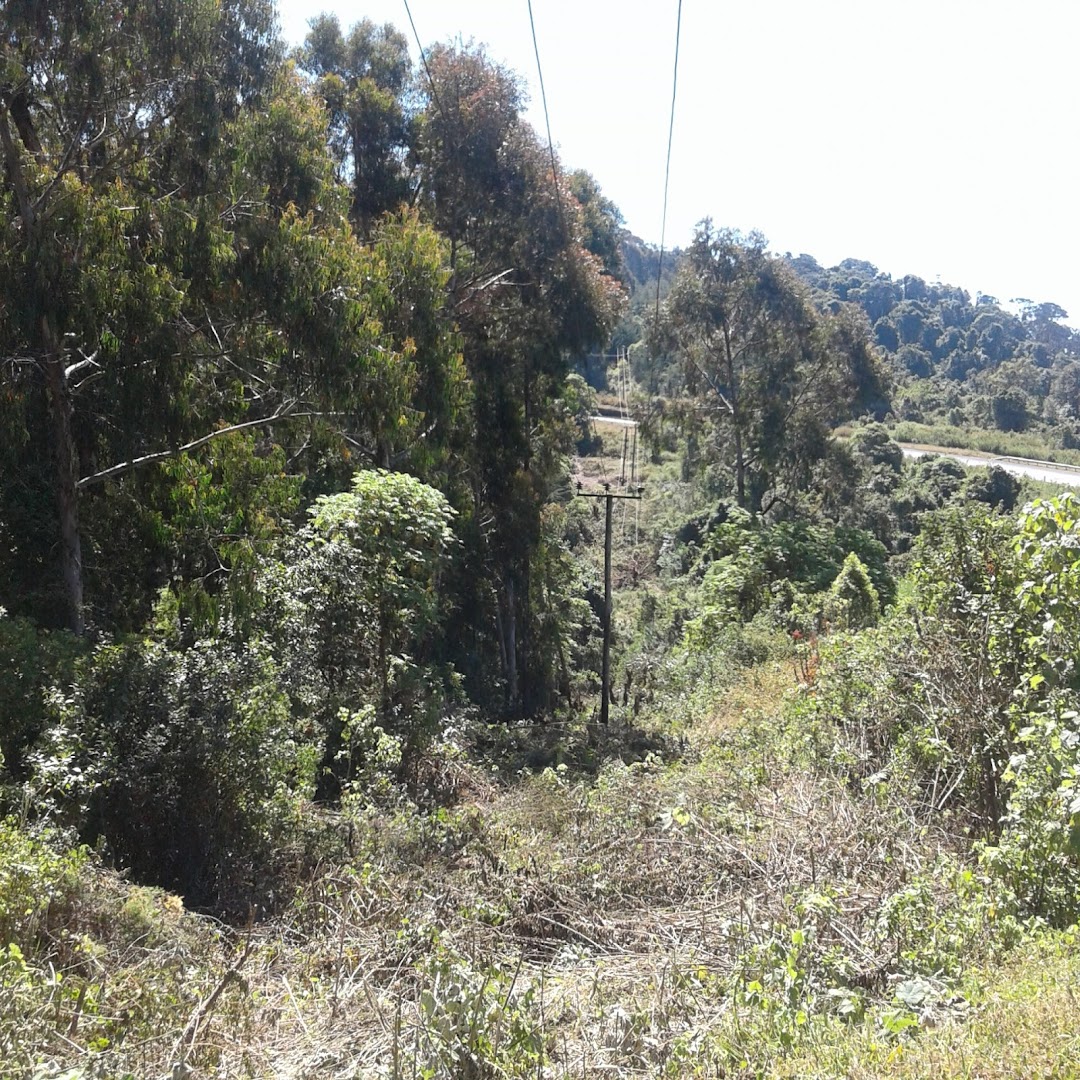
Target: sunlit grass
x=1032, y=445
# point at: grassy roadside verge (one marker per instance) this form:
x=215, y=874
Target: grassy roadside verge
x=1003, y=443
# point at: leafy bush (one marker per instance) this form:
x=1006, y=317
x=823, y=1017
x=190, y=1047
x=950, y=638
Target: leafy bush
x=1038, y=646
x=969, y=697
x=917, y=703
x=183, y=763
x=853, y=601
x=31, y=659
x=744, y=556
x=353, y=608
x=476, y=1022
x=37, y=881
x=784, y=570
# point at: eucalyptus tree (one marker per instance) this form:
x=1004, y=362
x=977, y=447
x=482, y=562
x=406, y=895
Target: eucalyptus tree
x=92, y=98
x=363, y=76
x=525, y=292
x=176, y=268
x=772, y=372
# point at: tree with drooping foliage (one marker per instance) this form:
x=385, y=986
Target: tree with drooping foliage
x=525, y=292
x=773, y=373
x=363, y=76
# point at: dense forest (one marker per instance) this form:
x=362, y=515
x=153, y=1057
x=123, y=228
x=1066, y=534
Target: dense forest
x=301, y=774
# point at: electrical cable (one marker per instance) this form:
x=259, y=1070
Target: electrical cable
x=547, y=121
x=427, y=70
x=667, y=167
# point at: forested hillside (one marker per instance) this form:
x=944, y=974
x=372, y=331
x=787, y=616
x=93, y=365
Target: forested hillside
x=302, y=771
x=976, y=364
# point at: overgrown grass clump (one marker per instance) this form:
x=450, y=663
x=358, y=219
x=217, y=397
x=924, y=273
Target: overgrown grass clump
x=1032, y=444
x=98, y=977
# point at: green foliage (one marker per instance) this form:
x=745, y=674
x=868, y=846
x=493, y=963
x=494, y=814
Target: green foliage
x=398, y=530
x=98, y=977
x=184, y=764
x=852, y=602
x=873, y=443
x=993, y=486
x=476, y=1022
x=600, y=220
x=197, y=526
x=354, y=610
x=968, y=696
x=1038, y=645
x=1027, y=444
x=973, y=364
x=751, y=566
x=527, y=294
x=946, y=917
x=38, y=880
x=773, y=373
x=31, y=661
x=40, y=884
x=166, y=300
x=362, y=77
x=1010, y=410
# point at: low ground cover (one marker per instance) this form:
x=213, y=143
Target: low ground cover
x=714, y=900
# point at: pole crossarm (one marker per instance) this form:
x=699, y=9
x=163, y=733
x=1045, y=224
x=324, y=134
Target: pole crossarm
x=610, y=494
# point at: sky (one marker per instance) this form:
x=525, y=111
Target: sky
x=934, y=137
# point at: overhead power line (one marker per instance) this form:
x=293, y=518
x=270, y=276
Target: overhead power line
x=423, y=60
x=547, y=121
x=667, y=167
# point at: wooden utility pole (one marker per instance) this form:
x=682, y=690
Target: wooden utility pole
x=605, y=670
x=605, y=678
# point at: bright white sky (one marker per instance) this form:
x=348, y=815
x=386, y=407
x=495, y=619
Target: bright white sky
x=934, y=137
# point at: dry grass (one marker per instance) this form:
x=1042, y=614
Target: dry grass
x=1021, y=1024
x=566, y=923
x=753, y=697
x=633, y=903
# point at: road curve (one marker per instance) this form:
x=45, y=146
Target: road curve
x=1050, y=472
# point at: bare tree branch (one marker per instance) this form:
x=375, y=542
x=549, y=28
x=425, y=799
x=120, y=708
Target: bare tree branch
x=163, y=455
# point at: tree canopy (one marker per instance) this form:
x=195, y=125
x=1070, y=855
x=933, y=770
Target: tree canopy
x=773, y=373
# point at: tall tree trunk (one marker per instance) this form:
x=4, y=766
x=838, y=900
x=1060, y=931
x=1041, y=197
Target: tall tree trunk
x=736, y=420
x=58, y=392
x=65, y=475
x=510, y=642
x=526, y=562
x=740, y=467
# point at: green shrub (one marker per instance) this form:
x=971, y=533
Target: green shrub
x=476, y=1022
x=353, y=608
x=969, y=699
x=184, y=764
x=37, y=881
x=750, y=566
x=1037, y=646
x=31, y=660
x=853, y=602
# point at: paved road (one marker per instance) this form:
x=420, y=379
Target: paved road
x=1049, y=471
